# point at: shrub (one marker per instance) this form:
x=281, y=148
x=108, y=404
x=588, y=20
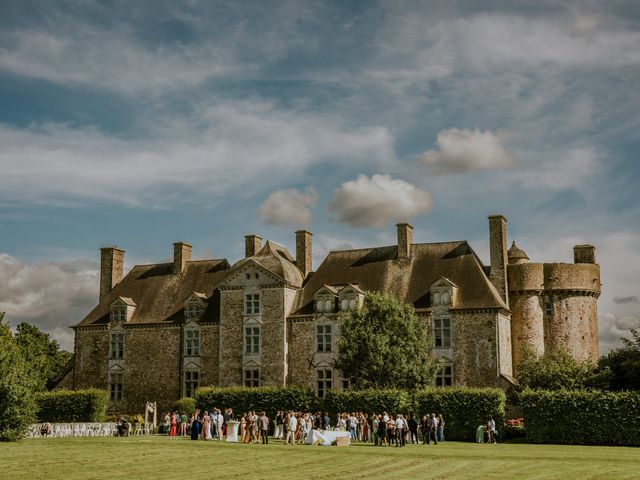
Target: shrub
x=269, y=399
x=368, y=401
x=510, y=432
x=582, y=417
x=463, y=408
x=72, y=406
x=186, y=405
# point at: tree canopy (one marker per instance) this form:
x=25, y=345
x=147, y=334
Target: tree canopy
x=622, y=365
x=384, y=345
x=554, y=371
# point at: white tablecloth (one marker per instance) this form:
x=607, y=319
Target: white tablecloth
x=232, y=431
x=326, y=437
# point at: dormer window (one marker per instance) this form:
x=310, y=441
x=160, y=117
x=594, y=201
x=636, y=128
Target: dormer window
x=118, y=314
x=192, y=312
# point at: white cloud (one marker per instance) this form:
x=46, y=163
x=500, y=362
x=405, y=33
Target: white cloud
x=222, y=147
x=613, y=327
x=372, y=202
x=464, y=150
x=53, y=295
x=288, y=207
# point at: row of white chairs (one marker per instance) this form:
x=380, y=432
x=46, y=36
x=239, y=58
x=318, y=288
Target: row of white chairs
x=65, y=430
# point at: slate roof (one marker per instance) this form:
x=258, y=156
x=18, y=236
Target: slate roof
x=276, y=259
x=159, y=294
x=378, y=269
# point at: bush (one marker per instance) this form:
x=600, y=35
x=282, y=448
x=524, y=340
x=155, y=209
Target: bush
x=463, y=408
x=17, y=407
x=186, y=405
x=268, y=399
x=72, y=406
x=510, y=432
x=582, y=417
x=368, y=401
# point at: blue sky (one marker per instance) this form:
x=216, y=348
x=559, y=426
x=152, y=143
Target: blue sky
x=144, y=123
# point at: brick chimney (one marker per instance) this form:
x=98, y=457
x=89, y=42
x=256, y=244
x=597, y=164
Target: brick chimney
x=304, y=258
x=498, y=254
x=405, y=239
x=111, y=269
x=252, y=243
x=181, y=255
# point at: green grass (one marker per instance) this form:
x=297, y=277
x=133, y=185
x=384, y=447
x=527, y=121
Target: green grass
x=162, y=457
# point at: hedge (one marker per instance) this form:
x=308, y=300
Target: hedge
x=582, y=417
x=268, y=399
x=72, y=406
x=367, y=401
x=185, y=405
x=463, y=408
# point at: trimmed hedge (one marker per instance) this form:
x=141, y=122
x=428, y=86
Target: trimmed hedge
x=368, y=401
x=72, y=406
x=463, y=408
x=186, y=405
x=582, y=417
x=244, y=399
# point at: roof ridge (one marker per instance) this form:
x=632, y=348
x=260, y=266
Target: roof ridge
x=394, y=245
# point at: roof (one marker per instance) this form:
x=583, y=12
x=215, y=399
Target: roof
x=159, y=294
x=276, y=259
x=516, y=253
x=378, y=269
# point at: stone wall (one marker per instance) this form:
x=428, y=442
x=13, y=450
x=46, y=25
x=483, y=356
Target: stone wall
x=210, y=355
x=527, y=325
x=152, y=362
x=573, y=326
x=474, y=337
x=301, y=352
x=231, y=340
x=91, y=354
x=274, y=336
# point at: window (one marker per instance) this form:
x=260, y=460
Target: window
x=323, y=338
x=192, y=342
x=442, y=332
x=548, y=309
x=118, y=314
x=191, y=382
x=192, y=312
x=252, y=339
x=252, y=303
x=324, y=379
x=444, y=377
x=115, y=387
x=345, y=384
x=252, y=377
x=117, y=346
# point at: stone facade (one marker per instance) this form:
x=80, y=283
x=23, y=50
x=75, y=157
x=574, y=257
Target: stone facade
x=163, y=330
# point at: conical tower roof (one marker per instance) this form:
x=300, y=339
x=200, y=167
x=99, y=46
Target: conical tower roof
x=517, y=255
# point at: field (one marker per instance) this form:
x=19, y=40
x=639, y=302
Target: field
x=162, y=457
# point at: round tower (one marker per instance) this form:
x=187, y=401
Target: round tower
x=526, y=285
x=570, y=306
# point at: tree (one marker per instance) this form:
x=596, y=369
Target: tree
x=554, y=371
x=42, y=353
x=622, y=365
x=17, y=405
x=384, y=345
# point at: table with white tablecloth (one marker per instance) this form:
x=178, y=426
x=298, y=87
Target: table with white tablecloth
x=324, y=437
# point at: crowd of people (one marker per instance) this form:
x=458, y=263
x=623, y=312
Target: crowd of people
x=383, y=430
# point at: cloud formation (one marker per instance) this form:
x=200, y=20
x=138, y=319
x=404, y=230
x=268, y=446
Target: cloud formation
x=465, y=150
x=372, y=202
x=53, y=295
x=623, y=300
x=613, y=327
x=288, y=207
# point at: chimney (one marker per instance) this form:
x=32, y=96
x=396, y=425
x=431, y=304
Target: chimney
x=181, y=255
x=111, y=268
x=304, y=258
x=405, y=239
x=252, y=243
x=498, y=253
x=584, y=254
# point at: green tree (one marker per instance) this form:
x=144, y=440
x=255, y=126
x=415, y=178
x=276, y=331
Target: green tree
x=17, y=405
x=554, y=371
x=384, y=345
x=622, y=365
x=42, y=353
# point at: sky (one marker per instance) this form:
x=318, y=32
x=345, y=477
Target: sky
x=139, y=124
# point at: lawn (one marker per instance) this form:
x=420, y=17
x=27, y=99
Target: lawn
x=161, y=457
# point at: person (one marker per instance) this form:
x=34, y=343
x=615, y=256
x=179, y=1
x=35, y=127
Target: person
x=183, y=424
x=123, y=427
x=195, y=425
x=440, y=428
x=173, y=424
x=400, y=425
x=433, y=428
x=491, y=429
x=374, y=429
x=292, y=426
x=279, y=423
x=326, y=422
x=412, y=423
x=352, y=424
x=220, y=425
x=480, y=433
x=167, y=423
x=45, y=429
x=264, y=428
x=391, y=431
x=424, y=427
x=206, y=426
